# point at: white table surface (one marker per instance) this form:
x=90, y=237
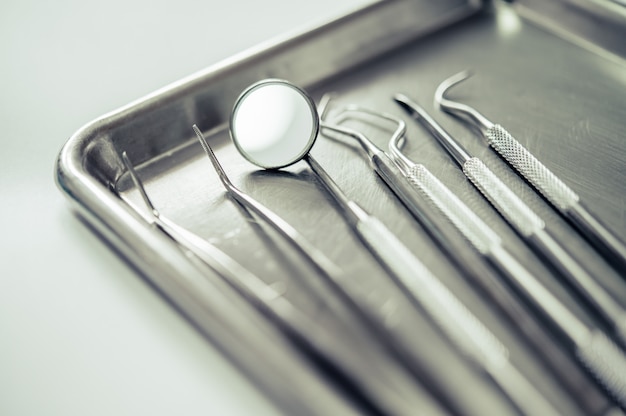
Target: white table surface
x=80, y=332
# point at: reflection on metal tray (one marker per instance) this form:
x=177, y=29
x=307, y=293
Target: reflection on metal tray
x=596, y=23
x=564, y=103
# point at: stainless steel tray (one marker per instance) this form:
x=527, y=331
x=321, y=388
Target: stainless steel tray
x=565, y=103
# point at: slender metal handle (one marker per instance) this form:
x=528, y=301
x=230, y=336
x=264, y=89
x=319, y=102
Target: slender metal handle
x=430, y=190
x=460, y=325
x=419, y=207
x=558, y=193
x=602, y=358
x=477, y=232
x=489, y=244
x=509, y=205
x=550, y=306
x=463, y=218
x=599, y=298
x=607, y=244
x=606, y=362
x=464, y=328
x=532, y=169
x=527, y=223
x=531, y=227
x=521, y=392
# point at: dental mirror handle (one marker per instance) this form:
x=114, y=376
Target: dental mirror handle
x=558, y=193
x=462, y=327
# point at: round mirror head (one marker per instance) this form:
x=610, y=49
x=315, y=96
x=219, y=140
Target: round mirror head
x=274, y=124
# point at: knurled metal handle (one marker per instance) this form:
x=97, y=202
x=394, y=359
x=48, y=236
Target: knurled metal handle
x=509, y=205
x=546, y=182
x=559, y=194
x=459, y=214
x=606, y=362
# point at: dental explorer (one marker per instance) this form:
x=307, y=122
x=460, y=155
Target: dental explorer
x=527, y=224
x=419, y=204
x=601, y=356
x=561, y=196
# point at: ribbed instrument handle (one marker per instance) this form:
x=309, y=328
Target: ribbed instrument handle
x=559, y=194
x=606, y=362
x=546, y=182
x=509, y=205
x=459, y=214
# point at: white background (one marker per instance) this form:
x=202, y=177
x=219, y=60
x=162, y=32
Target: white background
x=80, y=332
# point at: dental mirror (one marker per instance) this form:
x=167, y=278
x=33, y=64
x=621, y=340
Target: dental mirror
x=274, y=123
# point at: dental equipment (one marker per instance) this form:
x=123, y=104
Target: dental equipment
x=461, y=327
x=284, y=101
x=316, y=258
x=438, y=227
x=527, y=224
x=562, y=197
x=601, y=355
x=284, y=142
x=382, y=387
